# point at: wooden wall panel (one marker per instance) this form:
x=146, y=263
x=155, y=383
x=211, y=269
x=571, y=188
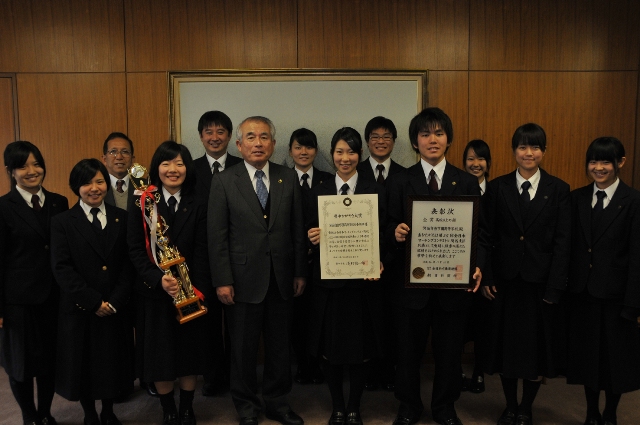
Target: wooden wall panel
x=167, y=35
x=68, y=116
x=426, y=34
x=147, y=113
x=573, y=107
x=61, y=36
x=554, y=35
x=7, y=125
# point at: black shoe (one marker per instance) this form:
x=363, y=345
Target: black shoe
x=30, y=423
x=507, y=418
x=371, y=386
x=302, y=377
x=337, y=418
x=48, y=420
x=353, y=418
x=465, y=383
x=450, y=421
x=170, y=419
x=249, y=420
x=187, y=417
x=289, y=418
x=593, y=421
x=317, y=377
x=91, y=421
x=524, y=419
x=476, y=384
x=151, y=388
x=403, y=420
x=109, y=420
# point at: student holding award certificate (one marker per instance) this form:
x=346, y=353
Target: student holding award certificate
x=345, y=320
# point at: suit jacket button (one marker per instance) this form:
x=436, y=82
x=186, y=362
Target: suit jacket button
x=46, y=247
x=590, y=266
x=521, y=238
x=589, y=250
x=264, y=216
x=104, y=267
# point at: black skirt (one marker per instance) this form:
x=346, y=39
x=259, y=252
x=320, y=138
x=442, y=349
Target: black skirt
x=526, y=337
x=28, y=339
x=604, y=348
x=346, y=323
x=165, y=349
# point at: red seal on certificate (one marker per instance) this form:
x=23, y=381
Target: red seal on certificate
x=418, y=273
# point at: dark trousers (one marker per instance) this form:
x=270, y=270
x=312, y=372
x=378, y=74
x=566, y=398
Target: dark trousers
x=272, y=317
x=447, y=340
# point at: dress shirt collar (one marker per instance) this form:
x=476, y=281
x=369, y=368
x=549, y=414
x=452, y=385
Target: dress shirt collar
x=300, y=173
x=222, y=161
x=166, y=195
x=483, y=186
x=374, y=164
x=439, y=169
x=114, y=180
x=27, y=196
x=534, y=180
x=608, y=191
x=352, y=182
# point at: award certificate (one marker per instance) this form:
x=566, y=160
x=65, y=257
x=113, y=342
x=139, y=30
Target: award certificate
x=349, y=238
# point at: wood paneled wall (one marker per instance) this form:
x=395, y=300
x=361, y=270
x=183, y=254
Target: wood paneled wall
x=85, y=69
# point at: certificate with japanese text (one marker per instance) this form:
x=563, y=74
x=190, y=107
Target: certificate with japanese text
x=349, y=238
x=441, y=246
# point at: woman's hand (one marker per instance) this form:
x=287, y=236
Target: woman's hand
x=314, y=235
x=488, y=291
x=401, y=232
x=104, y=310
x=170, y=285
x=376, y=278
x=478, y=277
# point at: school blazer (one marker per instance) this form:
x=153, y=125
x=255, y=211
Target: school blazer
x=329, y=188
x=538, y=251
x=203, y=173
x=89, y=269
x=366, y=172
x=188, y=233
x=25, y=257
x=606, y=261
x=414, y=182
x=243, y=247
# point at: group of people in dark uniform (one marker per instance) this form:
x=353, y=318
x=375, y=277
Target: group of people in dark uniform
x=85, y=310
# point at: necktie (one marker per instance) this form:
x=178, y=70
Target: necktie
x=433, y=183
x=216, y=167
x=172, y=201
x=599, y=206
x=261, y=189
x=380, y=169
x=344, y=189
x=119, y=184
x=525, y=191
x=96, y=222
x=305, y=183
x=35, y=201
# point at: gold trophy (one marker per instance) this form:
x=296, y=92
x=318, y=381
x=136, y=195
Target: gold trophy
x=188, y=300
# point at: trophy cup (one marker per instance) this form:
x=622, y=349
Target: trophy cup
x=188, y=301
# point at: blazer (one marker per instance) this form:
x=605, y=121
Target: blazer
x=25, y=257
x=455, y=182
x=319, y=177
x=244, y=249
x=604, y=261
x=366, y=172
x=329, y=188
x=536, y=249
x=188, y=233
x=203, y=173
x=110, y=199
x=90, y=270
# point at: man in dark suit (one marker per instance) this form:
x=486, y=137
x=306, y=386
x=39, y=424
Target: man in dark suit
x=215, y=129
x=117, y=156
x=259, y=262
x=443, y=311
x=380, y=134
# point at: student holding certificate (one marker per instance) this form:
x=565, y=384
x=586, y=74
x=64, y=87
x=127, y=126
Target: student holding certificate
x=345, y=321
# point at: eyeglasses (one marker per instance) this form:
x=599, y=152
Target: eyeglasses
x=377, y=137
x=125, y=153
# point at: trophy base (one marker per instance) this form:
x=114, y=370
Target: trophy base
x=190, y=309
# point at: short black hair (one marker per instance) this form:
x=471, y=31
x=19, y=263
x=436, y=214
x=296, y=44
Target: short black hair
x=168, y=151
x=430, y=119
x=304, y=137
x=116, y=135
x=380, y=122
x=215, y=118
x=530, y=134
x=605, y=149
x=84, y=171
x=351, y=137
x=481, y=149
x=16, y=155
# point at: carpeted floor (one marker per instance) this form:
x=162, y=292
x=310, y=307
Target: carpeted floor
x=557, y=403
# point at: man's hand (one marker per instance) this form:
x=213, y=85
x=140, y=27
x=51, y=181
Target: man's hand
x=401, y=232
x=488, y=292
x=104, y=310
x=314, y=235
x=478, y=277
x=225, y=294
x=298, y=284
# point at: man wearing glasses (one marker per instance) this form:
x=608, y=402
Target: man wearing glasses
x=380, y=135
x=118, y=158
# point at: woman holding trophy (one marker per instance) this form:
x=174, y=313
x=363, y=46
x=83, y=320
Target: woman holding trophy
x=166, y=226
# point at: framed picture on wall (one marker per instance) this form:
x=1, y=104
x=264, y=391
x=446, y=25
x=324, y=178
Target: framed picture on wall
x=320, y=100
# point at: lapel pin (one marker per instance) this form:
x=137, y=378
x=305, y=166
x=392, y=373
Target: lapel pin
x=546, y=197
x=279, y=180
x=453, y=183
x=117, y=220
